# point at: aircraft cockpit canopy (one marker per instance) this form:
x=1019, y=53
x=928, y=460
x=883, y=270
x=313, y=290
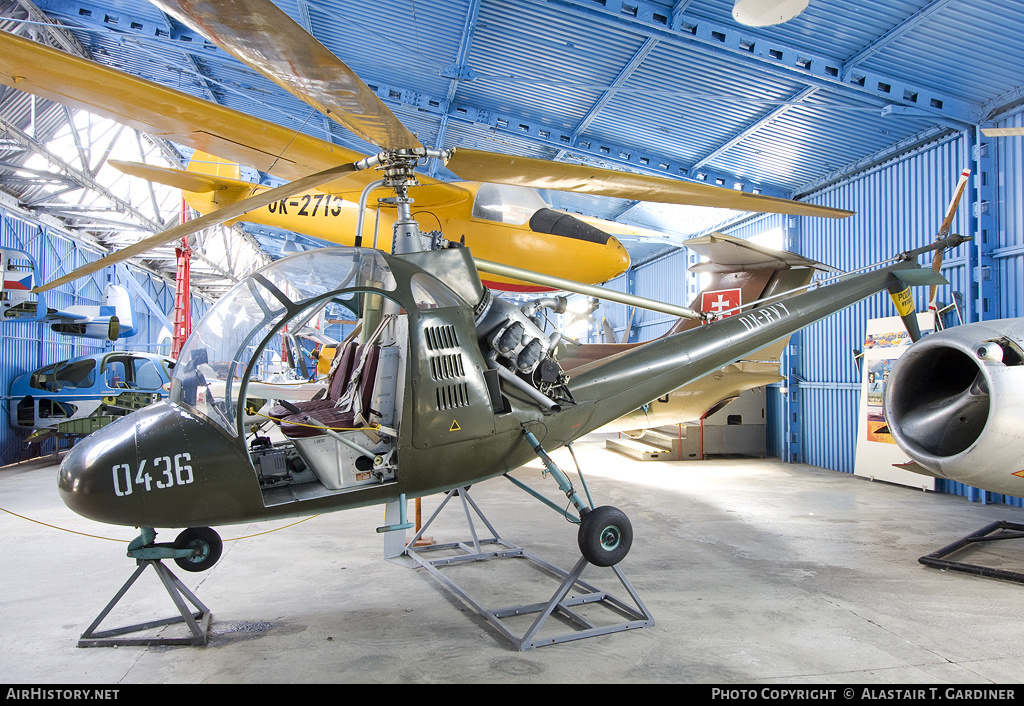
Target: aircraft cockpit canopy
x=505, y=203
x=223, y=352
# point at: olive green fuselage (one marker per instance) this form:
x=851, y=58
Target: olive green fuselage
x=169, y=466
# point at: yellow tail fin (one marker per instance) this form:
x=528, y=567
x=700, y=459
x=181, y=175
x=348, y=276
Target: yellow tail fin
x=203, y=163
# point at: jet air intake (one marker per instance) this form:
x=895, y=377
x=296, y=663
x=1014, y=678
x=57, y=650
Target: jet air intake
x=951, y=404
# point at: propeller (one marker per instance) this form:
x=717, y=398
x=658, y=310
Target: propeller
x=947, y=223
x=292, y=58
x=263, y=37
x=289, y=56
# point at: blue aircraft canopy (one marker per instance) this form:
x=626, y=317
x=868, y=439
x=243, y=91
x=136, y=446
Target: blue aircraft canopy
x=208, y=377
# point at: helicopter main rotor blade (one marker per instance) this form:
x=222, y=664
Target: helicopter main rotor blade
x=210, y=219
x=590, y=290
x=476, y=165
x=288, y=55
x=266, y=39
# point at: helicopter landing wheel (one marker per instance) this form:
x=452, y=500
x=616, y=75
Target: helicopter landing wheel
x=605, y=536
x=206, y=546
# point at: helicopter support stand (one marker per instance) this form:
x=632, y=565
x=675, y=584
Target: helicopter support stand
x=561, y=604
x=998, y=530
x=198, y=622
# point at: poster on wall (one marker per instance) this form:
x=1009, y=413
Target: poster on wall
x=884, y=342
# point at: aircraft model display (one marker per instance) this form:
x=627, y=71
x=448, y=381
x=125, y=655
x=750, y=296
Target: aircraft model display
x=502, y=222
x=111, y=320
x=740, y=273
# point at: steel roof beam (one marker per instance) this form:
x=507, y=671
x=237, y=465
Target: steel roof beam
x=753, y=127
x=60, y=36
x=76, y=175
x=892, y=35
x=628, y=70
x=741, y=45
x=599, y=152
x=458, y=71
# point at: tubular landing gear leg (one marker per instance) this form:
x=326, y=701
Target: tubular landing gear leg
x=195, y=549
x=605, y=535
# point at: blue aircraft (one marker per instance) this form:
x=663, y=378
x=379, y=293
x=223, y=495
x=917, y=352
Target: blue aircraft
x=99, y=386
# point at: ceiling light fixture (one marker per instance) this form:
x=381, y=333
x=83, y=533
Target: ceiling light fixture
x=765, y=13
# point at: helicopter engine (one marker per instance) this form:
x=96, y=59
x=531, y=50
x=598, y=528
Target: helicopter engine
x=514, y=335
x=953, y=404
x=511, y=338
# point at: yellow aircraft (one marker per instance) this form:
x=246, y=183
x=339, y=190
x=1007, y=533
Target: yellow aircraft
x=307, y=163
x=498, y=222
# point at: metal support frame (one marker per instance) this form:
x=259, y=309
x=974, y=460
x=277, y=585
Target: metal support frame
x=994, y=532
x=792, y=403
x=198, y=622
x=564, y=602
x=983, y=270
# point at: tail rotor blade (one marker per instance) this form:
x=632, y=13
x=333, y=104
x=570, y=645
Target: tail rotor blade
x=947, y=223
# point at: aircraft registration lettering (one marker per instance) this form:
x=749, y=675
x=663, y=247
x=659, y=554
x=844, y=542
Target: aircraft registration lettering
x=763, y=317
x=168, y=474
x=304, y=202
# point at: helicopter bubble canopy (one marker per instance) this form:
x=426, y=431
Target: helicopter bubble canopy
x=219, y=357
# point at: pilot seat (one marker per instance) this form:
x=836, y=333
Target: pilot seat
x=340, y=436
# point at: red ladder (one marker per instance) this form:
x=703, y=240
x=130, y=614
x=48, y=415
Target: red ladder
x=182, y=300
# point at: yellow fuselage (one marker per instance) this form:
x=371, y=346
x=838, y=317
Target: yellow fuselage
x=334, y=219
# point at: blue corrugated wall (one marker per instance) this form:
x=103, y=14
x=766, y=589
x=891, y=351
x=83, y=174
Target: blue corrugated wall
x=24, y=347
x=900, y=205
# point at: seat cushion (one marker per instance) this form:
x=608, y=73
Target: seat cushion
x=298, y=426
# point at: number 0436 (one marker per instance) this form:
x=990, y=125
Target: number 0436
x=159, y=473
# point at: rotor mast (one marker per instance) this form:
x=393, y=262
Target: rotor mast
x=399, y=166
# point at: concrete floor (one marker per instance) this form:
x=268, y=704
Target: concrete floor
x=756, y=572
